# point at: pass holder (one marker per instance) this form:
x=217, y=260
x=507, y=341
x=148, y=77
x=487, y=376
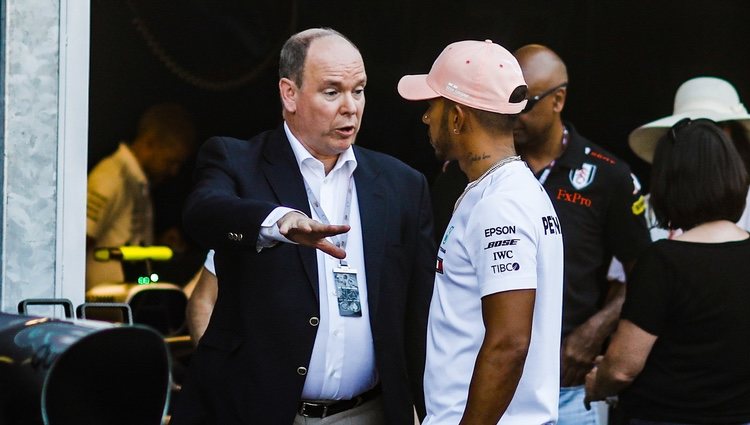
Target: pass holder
x=347, y=290
x=344, y=277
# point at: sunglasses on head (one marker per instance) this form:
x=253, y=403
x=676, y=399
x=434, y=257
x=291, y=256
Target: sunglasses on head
x=532, y=101
x=686, y=122
x=679, y=125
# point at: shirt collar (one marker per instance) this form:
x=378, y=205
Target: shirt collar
x=303, y=156
x=575, y=152
x=131, y=162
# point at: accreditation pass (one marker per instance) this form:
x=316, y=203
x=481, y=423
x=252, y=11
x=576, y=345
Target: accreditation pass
x=347, y=291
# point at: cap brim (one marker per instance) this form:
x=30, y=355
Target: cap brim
x=643, y=139
x=415, y=87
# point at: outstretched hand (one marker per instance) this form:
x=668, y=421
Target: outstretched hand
x=307, y=232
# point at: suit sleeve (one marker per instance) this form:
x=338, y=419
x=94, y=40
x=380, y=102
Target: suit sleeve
x=418, y=303
x=215, y=215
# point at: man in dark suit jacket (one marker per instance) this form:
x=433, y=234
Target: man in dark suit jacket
x=285, y=343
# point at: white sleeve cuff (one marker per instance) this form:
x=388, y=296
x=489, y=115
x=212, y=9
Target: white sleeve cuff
x=209, y=263
x=269, y=234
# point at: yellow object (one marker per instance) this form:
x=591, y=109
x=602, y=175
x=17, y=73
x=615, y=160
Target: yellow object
x=639, y=206
x=134, y=253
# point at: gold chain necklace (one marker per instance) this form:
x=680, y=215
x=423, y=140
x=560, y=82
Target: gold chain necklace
x=489, y=171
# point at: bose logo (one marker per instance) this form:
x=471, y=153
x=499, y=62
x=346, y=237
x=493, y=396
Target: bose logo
x=507, y=267
x=504, y=242
x=500, y=230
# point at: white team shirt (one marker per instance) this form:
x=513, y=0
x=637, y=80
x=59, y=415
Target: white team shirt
x=118, y=212
x=503, y=236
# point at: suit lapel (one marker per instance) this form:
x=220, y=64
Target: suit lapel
x=283, y=175
x=372, y=208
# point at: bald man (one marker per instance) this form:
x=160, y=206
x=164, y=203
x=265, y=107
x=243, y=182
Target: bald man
x=600, y=207
x=599, y=204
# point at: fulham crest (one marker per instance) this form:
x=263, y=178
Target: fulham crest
x=583, y=176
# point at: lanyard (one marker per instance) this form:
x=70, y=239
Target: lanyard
x=340, y=240
x=548, y=169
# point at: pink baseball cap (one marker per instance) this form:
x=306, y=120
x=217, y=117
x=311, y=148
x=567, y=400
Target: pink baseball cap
x=478, y=74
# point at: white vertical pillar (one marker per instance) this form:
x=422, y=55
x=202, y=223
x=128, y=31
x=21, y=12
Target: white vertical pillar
x=44, y=109
x=75, y=23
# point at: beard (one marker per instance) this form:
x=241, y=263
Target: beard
x=441, y=143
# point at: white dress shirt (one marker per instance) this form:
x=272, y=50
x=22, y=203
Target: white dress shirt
x=342, y=365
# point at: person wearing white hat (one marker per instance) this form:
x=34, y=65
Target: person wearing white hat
x=494, y=325
x=679, y=355
x=700, y=97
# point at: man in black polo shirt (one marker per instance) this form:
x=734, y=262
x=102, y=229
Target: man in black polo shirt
x=600, y=207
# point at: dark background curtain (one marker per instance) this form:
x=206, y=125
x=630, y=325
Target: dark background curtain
x=219, y=58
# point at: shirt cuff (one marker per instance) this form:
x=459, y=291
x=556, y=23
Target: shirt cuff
x=209, y=263
x=269, y=234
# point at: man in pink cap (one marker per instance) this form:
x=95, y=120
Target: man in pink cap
x=494, y=326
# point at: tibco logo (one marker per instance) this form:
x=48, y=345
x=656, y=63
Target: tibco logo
x=507, y=267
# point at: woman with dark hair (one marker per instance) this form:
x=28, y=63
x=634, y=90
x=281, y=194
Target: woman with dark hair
x=680, y=352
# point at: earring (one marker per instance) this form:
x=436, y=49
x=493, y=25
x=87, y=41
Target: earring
x=424, y=117
x=455, y=130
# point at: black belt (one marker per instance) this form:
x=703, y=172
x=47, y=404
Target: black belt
x=311, y=409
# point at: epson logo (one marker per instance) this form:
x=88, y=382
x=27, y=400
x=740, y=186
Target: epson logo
x=499, y=230
x=507, y=267
x=503, y=242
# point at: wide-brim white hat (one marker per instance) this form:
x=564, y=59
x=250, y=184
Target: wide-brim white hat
x=702, y=97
